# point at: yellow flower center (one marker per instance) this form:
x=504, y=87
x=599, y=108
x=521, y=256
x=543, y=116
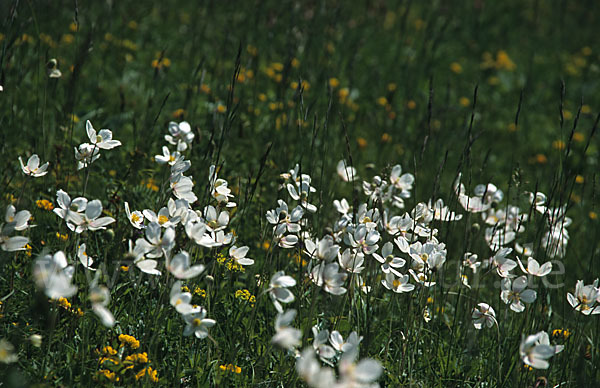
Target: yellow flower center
x=424, y=257
x=98, y=139
x=135, y=218
x=396, y=283
x=162, y=219
x=197, y=322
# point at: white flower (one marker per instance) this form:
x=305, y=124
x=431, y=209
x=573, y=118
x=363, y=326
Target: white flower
x=102, y=139
x=136, y=218
x=484, y=315
x=197, y=323
x=100, y=298
x=90, y=220
x=239, y=255
x=534, y=268
x=388, y=260
x=180, y=300
x=70, y=210
x=33, y=167
x=337, y=341
x=155, y=245
x=362, y=374
x=535, y=350
x=470, y=260
x=16, y=221
x=182, y=188
x=86, y=154
x=7, y=352
x=514, y=293
x=402, y=182
x=179, y=266
x=363, y=239
x=168, y=157
x=283, y=220
x=352, y=261
x=431, y=255
x=585, y=299
x=347, y=173
x=180, y=135
x=286, y=336
x=324, y=249
x=278, y=289
x=327, y=276
x=85, y=260
x=215, y=220
x=442, y=212
x=53, y=275
x=300, y=192
x=398, y=285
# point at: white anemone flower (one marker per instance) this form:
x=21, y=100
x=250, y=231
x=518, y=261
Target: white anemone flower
x=167, y=157
x=352, y=261
x=337, y=341
x=180, y=300
x=155, y=245
x=322, y=250
x=534, y=268
x=90, y=220
x=197, y=323
x=484, y=316
x=347, y=173
x=7, y=350
x=136, y=218
x=179, y=266
x=239, y=255
x=286, y=336
x=398, y=285
x=100, y=298
x=535, y=350
x=586, y=298
x=86, y=154
x=33, y=167
x=182, y=188
x=84, y=258
x=515, y=293
x=362, y=374
x=101, y=139
x=53, y=274
x=70, y=210
x=327, y=276
x=364, y=240
x=278, y=289
x=387, y=259
x=180, y=135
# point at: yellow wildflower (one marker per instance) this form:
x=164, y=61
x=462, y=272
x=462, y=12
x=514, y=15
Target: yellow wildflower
x=129, y=340
x=456, y=67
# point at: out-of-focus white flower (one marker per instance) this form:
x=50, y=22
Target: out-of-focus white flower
x=347, y=173
x=53, y=275
x=286, y=336
x=100, y=298
x=180, y=135
x=535, y=350
x=337, y=341
x=322, y=250
x=278, y=289
x=179, y=266
x=362, y=374
x=33, y=167
x=102, y=139
x=36, y=340
x=7, y=352
x=14, y=222
x=352, y=261
x=484, y=315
